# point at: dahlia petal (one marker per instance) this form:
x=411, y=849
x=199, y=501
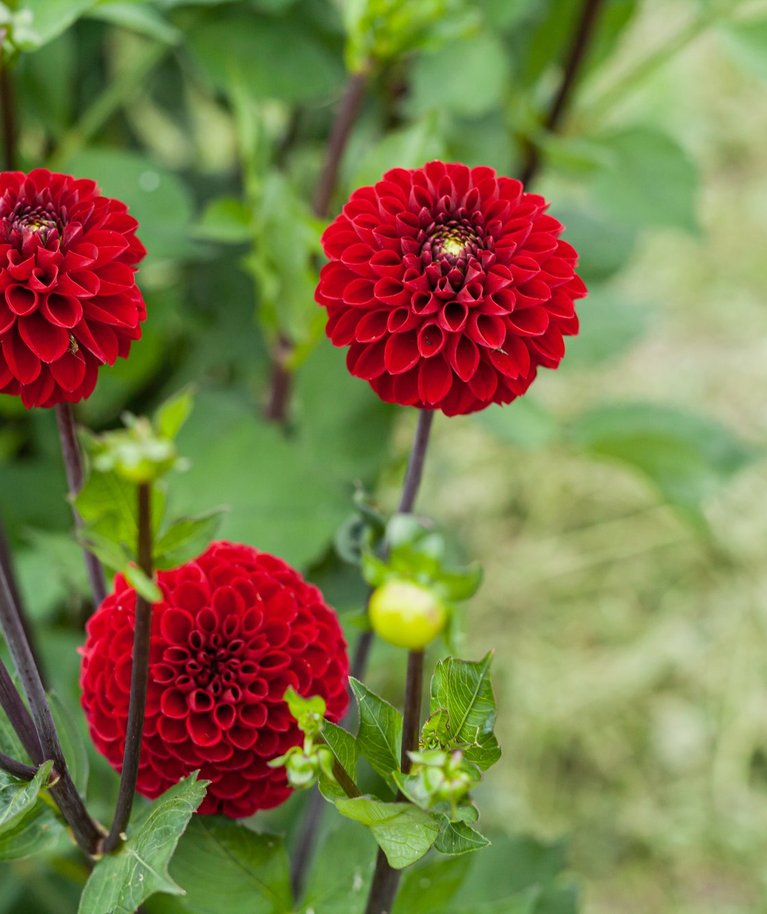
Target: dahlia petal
x=487, y=330
x=38, y=393
x=453, y=317
x=431, y=340
x=530, y=321
x=48, y=341
x=7, y=317
x=434, y=380
x=24, y=365
x=20, y=299
x=61, y=310
x=372, y=326
x=366, y=361
x=401, y=352
x=484, y=382
x=463, y=356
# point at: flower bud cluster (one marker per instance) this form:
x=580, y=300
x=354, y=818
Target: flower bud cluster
x=138, y=452
x=439, y=777
x=304, y=764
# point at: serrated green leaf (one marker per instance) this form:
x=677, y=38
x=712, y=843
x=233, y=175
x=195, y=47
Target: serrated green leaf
x=403, y=832
x=173, y=413
x=220, y=859
x=120, y=882
x=463, y=689
x=459, y=838
x=17, y=798
x=186, y=538
x=380, y=730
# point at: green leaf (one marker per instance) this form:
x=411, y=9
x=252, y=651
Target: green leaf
x=686, y=456
x=429, y=887
x=611, y=322
x=186, y=538
x=157, y=197
x=137, y=17
x=307, y=712
x=628, y=189
x=17, y=798
x=380, y=730
x=343, y=746
x=459, y=838
x=463, y=689
x=35, y=833
x=173, y=413
x=439, y=85
x=120, y=882
x=604, y=246
x=408, y=147
x=230, y=49
x=525, y=902
x=293, y=503
x=52, y=17
x=403, y=832
x=524, y=423
x=748, y=41
x=340, y=877
x=72, y=743
x=220, y=859
x=226, y=220
x=142, y=584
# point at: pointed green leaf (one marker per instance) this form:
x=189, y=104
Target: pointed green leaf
x=403, y=832
x=459, y=838
x=142, y=584
x=186, y=538
x=380, y=732
x=17, y=798
x=218, y=859
x=120, y=882
x=173, y=413
x=343, y=746
x=463, y=689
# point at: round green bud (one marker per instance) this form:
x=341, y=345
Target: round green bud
x=406, y=614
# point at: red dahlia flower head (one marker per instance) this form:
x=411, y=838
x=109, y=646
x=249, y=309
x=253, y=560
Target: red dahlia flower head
x=450, y=286
x=234, y=629
x=68, y=296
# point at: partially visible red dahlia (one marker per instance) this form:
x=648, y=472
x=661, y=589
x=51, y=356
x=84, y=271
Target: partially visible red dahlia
x=68, y=296
x=450, y=286
x=235, y=628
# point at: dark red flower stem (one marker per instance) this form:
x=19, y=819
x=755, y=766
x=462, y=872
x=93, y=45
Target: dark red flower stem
x=339, y=137
x=139, y=679
x=304, y=846
x=73, y=463
x=6, y=562
x=385, y=883
x=281, y=385
x=8, y=103
x=87, y=833
x=20, y=718
x=579, y=46
x=406, y=504
x=17, y=769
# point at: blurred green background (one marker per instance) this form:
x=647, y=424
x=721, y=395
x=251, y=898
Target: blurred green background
x=619, y=509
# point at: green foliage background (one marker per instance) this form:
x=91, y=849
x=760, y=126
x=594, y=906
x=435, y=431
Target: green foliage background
x=619, y=509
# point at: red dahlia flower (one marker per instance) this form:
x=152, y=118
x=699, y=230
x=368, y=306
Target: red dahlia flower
x=450, y=286
x=68, y=296
x=235, y=628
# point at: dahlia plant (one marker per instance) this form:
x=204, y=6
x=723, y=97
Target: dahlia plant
x=249, y=756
